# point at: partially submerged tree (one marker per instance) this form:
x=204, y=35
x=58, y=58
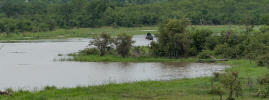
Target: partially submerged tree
x=123, y=44
x=103, y=42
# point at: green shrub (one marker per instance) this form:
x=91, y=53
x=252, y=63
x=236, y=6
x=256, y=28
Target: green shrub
x=123, y=44
x=90, y=51
x=139, y=51
x=205, y=54
x=173, y=38
x=199, y=38
x=228, y=81
x=103, y=42
x=213, y=41
x=50, y=87
x=263, y=88
x=155, y=49
x=263, y=60
x=217, y=90
x=264, y=29
x=227, y=51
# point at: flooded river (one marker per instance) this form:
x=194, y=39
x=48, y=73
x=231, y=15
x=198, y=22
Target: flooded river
x=31, y=64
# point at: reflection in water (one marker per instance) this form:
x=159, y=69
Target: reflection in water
x=35, y=68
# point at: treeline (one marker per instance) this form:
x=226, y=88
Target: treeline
x=175, y=41
x=45, y=15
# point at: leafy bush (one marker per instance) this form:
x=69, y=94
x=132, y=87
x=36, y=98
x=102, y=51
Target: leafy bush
x=205, y=54
x=263, y=60
x=264, y=29
x=123, y=44
x=50, y=87
x=227, y=81
x=218, y=90
x=155, y=49
x=139, y=51
x=173, y=39
x=213, y=41
x=199, y=38
x=103, y=42
x=263, y=88
x=90, y=51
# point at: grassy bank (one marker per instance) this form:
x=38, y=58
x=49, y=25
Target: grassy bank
x=181, y=89
x=110, y=58
x=77, y=33
x=88, y=32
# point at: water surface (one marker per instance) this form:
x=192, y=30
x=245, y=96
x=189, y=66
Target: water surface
x=31, y=64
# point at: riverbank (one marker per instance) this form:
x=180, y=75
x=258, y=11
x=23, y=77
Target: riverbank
x=183, y=89
x=89, y=32
x=111, y=58
x=77, y=33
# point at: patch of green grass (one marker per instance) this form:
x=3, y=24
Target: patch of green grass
x=89, y=32
x=77, y=33
x=110, y=58
x=247, y=68
x=182, y=89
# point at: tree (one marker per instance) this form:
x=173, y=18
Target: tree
x=199, y=38
x=233, y=84
x=229, y=81
x=8, y=25
x=266, y=19
x=103, y=42
x=123, y=44
x=173, y=38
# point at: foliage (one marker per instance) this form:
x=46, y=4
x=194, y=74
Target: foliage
x=140, y=51
x=265, y=19
x=263, y=60
x=123, y=44
x=264, y=29
x=225, y=51
x=173, y=39
x=263, y=89
x=46, y=15
x=199, y=39
x=103, y=42
x=218, y=90
x=90, y=51
x=205, y=54
x=229, y=81
x=155, y=49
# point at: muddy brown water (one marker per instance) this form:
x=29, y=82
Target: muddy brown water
x=31, y=65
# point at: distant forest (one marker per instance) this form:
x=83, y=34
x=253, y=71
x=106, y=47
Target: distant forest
x=45, y=15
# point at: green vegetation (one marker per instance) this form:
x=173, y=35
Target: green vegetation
x=112, y=58
x=242, y=33
x=123, y=44
x=176, y=39
x=78, y=33
x=90, y=32
x=185, y=89
x=18, y=16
